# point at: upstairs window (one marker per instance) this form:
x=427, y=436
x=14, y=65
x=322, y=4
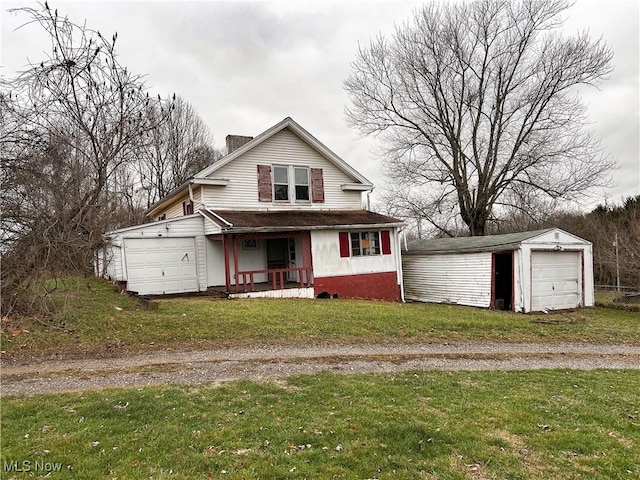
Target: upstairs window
x=288, y=183
x=187, y=207
x=302, y=184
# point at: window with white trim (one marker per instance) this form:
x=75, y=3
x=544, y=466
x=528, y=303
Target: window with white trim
x=301, y=178
x=365, y=243
x=281, y=184
x=291, y=184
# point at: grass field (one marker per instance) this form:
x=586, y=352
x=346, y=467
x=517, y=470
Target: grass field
x=93, y=318
x=427, y=425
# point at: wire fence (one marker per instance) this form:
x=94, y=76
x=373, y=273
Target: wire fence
x=620, y=297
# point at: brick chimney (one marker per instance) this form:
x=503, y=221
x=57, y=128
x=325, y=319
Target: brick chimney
x=236, y=141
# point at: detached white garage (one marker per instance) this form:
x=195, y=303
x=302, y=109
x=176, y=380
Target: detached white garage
x=524, y=272
x=158, y=258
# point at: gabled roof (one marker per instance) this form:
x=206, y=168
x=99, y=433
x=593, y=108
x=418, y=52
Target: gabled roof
x=303, y=134
x=488, y=243
x=202, y=176
x=245, y=221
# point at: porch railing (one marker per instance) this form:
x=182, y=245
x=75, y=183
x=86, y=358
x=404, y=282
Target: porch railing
x=245, y=280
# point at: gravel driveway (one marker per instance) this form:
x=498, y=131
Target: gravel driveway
x=271, y=362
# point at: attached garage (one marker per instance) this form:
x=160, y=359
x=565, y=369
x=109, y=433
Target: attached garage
x=161, y=265
x=524, y=272
x=158, y=258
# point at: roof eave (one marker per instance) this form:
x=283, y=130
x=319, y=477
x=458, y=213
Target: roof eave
x=445, y=251
x=296, y=228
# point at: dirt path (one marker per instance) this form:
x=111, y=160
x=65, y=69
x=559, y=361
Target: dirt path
x=271, y=362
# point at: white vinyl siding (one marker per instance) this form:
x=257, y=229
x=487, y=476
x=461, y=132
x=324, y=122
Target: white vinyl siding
x=176, y=208
x=461, y=279
x=283, y=148
x=109, y=263
x=325, y=251
x=215, y=263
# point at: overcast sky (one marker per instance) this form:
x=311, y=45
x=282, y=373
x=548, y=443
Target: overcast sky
x=245, y=66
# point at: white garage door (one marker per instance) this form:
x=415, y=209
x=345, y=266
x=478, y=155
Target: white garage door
x=556, y=280
x=161, y=265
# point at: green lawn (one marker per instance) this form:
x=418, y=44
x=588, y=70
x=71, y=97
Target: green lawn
x=93, y=318
x=427, y=425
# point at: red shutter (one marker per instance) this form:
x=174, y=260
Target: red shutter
x=385, y=240
x=344, y=244
x=317, y=186
x=264, y=183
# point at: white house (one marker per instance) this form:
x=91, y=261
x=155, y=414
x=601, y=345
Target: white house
x=279, y=215
x=524, y=272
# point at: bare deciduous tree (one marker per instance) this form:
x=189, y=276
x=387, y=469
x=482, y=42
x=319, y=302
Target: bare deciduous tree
x=476, y=102
x=70, y=125
x=81, y=95
x=179, y=145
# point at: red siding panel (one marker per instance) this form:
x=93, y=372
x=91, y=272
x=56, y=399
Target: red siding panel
x=317, y=186
x=344, y=244
x=374, y=286
x=264, y=183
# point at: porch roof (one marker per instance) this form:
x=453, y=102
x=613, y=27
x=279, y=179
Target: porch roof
x=238, y=221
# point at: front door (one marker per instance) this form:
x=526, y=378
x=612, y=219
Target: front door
x=277, y=255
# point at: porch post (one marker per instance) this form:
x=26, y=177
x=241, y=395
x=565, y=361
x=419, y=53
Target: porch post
x=235, y=261
x=227, y=273
x=307, y=260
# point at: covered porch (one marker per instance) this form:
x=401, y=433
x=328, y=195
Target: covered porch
x=266, y=261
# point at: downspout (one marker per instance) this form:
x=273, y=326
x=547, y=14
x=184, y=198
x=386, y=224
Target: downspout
x=193, y=200
x=399, y=263
x=369, y=198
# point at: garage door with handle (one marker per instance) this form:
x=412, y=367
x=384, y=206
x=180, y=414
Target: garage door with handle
x=556, y=280
x=157, y=266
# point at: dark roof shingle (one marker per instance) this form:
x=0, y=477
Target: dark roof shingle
x=507, y=241
x=260, y=220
